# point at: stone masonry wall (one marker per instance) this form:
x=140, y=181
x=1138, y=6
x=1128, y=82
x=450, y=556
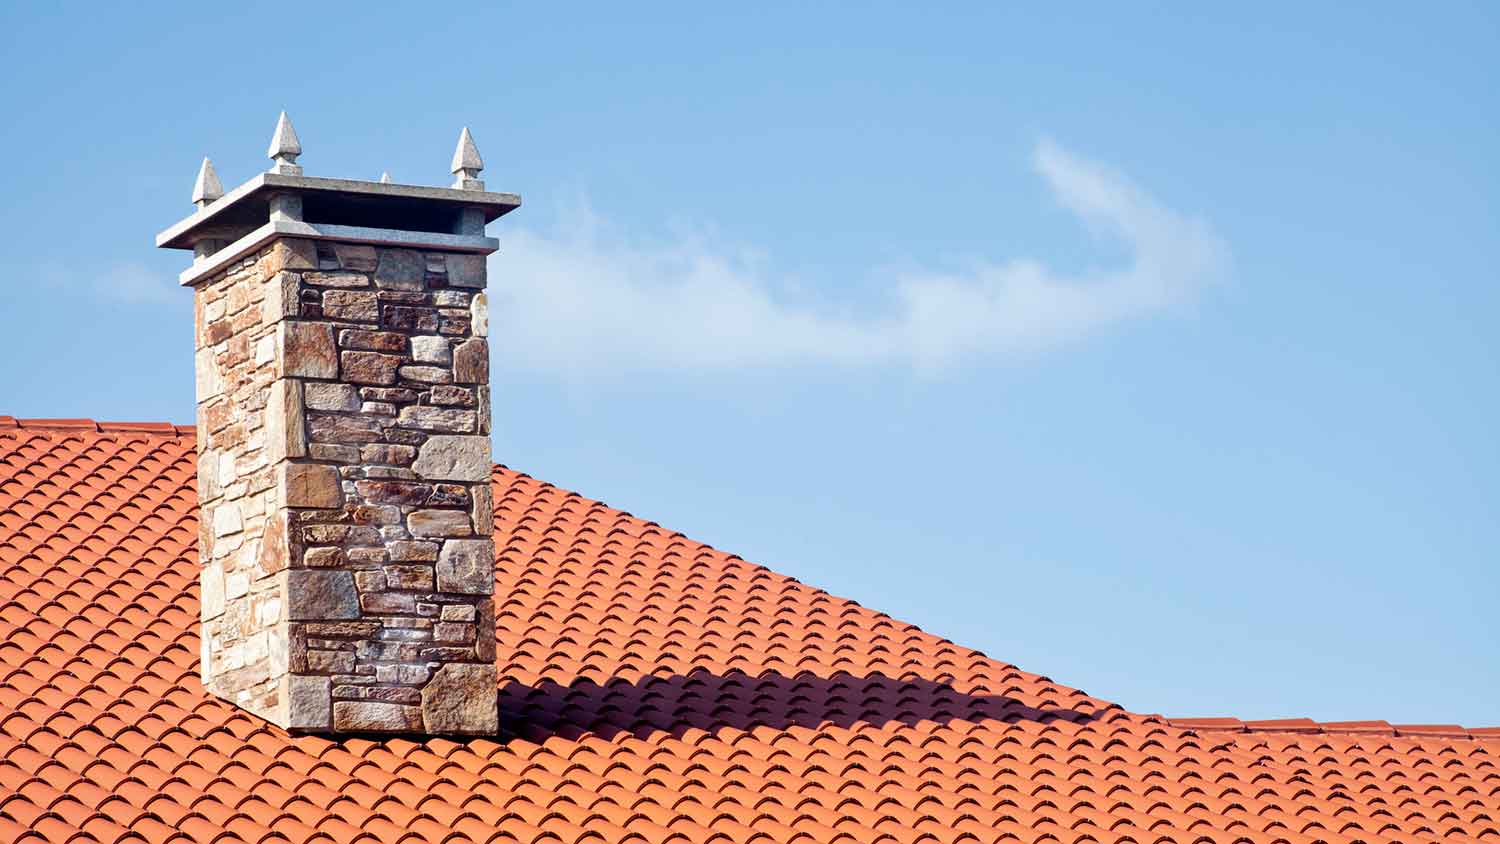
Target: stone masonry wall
x=346, y=489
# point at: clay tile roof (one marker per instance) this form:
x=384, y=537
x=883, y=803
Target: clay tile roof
x=653, y=689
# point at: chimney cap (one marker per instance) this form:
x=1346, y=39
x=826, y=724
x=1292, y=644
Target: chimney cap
x=207, y=187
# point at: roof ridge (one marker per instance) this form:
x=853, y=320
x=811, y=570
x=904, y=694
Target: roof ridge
x=166, y=429
x=1308, y=726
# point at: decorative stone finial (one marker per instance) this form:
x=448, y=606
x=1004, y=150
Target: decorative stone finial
x=467, y=163
x=285, y=148
x=385, y=177
x=206, y=188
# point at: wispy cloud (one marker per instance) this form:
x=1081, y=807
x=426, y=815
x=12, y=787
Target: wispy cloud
x=575, y=301
x=126, y=283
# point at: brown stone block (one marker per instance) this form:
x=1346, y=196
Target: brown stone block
x=408, y=318
x=396, y=395
x=482, y=513
x=309, y=485
x=289, y=254
x=439, y=523
x=323, y=558
x=336, y=279
x=393, y=455
x=307, y=350
x=406, y=550
x=471, y=361
x=388, y=602
x=409, y=577
x=309, y=703
x=351, y=305
x=393, y=492
x=466, y=566
x=453, y=631
x=375, y=716
x=448, y=495
x=330, y=662
x=372, y=341
x=370, y=367
x=334, y=453
x=343, y=429
x=354, y=256
x=484, y=644
x=461, y=698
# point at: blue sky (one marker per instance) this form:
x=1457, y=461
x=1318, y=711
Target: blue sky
x=1152, y=351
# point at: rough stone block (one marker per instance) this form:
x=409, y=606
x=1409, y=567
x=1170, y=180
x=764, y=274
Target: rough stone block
x=400, y=269
x=321, y=595
x=409, y=577
x=351, y=305
x=393, y=492
x=479, y=315
x=407, y=318
x=211, y=586
x=370, y=367
x=286, y=436
x=442, y=419
x=310, y=485
x=372, y=341
x=307, y=349
x=309, y=702
x=467, y=567
x=289, y=253
x=482, y=513
x=430, y=349
x=427, y=374
x=461, y=698
x=465, y=270
x=355, y=256
x=454, y=458
x=407, y=550
x=428, y=524
x=375, y=716
x=471, y=362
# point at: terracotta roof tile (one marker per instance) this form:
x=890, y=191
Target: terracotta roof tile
x=654, y=689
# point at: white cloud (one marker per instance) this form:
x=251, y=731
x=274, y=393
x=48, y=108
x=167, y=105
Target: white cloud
x=127, y=283
x=574, y=302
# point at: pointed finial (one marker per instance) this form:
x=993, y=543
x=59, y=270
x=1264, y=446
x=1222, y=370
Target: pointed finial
x=467, y=163
x=385, y=177
x=206, y=188
x=285, y=148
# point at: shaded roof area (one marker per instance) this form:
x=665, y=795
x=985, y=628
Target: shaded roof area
x=653, y=689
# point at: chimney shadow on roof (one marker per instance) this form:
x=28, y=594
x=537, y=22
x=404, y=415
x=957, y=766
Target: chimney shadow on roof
x=708, y=701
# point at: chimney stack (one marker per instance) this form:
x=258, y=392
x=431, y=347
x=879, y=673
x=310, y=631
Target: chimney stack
x=343, y=446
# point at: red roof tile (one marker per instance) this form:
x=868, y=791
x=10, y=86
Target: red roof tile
x=654, y=689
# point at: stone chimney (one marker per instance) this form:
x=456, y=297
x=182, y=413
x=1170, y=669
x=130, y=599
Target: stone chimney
x=343, y=446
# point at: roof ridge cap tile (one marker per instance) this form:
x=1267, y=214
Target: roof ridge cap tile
x=167, y=429
x=1308, y=726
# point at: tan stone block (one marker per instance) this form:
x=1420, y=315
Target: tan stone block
x=211, y=588
x=355, y=257
x=206, y=369
x=322, y=558
x=454, y=458
x=280, y=299
x=307, y=350
x=285, y=434
x=427, y=524
x=376, y=716
x=479, y=315
x=309, y=702
x=482, y=513
x=458, y=612
x=323, y=396
x=461, y=698
x=429, y=349
x=467, y=567
x=427, y=374
x=405, y=550
x=309, y=485
x=289, y=253
x=446, y=420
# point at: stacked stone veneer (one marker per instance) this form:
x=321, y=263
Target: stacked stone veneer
x=344, y=481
